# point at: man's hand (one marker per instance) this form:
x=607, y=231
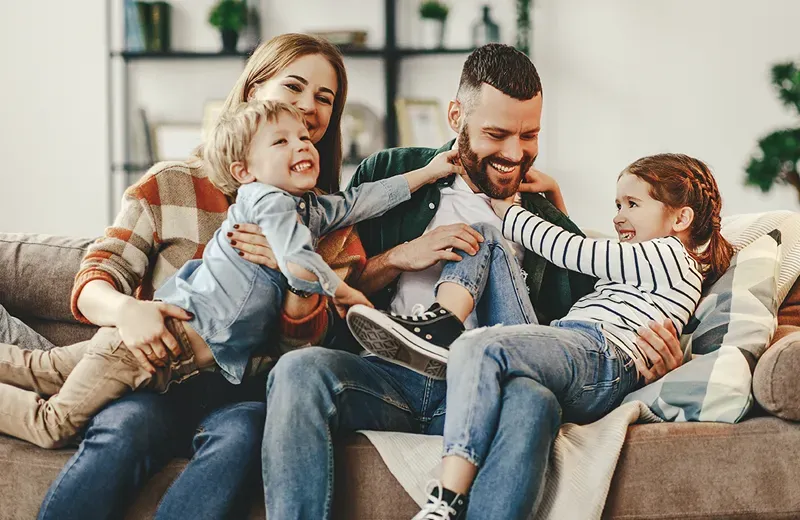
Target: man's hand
x=436, y=245
x=141, y=326
x=252, y=245
x=661, y=346
x=345, y=297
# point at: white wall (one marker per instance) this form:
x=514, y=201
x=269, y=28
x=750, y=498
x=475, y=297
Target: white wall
x=622, y=78
x=53, y=117
x=626, y=78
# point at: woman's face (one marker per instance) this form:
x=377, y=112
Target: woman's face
x=309, y=83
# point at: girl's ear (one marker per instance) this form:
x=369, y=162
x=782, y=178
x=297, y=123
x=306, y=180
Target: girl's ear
x=239, y=172
x=683, y=219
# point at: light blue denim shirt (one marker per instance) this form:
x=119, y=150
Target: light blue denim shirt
x=236, y=303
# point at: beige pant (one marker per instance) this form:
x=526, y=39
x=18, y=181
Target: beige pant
x=81, y=378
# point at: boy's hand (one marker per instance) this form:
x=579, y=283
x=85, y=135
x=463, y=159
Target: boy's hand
x=500, y=206
x=141, y=326
x=346, y=297
x=443, y=165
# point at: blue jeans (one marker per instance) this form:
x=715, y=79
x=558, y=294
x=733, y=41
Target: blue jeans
x=134, y=437
x=569, y=368
x=316, y=394
x=494, y=279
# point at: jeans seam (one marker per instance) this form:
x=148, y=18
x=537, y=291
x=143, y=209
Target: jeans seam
x=472, y=397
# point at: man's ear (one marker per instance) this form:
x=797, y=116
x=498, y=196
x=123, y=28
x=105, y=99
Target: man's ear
x=239, y=172
x=454, y=114
x=683, y=219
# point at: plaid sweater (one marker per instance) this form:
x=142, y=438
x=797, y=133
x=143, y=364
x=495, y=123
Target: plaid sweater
x=166, y=219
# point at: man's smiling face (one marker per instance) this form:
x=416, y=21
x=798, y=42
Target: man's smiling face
x=498, y=140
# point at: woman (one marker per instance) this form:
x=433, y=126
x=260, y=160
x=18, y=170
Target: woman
x=165, y=220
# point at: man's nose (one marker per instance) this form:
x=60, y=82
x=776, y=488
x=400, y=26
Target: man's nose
x=512, y=150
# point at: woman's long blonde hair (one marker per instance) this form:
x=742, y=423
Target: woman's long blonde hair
x=273, y=56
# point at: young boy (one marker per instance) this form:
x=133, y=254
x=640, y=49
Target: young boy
x=260, y=153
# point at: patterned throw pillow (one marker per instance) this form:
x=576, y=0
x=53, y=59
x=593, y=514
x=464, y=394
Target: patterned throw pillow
x=732, y=326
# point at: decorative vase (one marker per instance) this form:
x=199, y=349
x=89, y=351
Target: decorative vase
x=229, y=40
x=485, y=30
x=432, y=33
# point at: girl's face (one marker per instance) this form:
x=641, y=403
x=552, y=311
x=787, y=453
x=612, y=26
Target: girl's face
x=309, y=83
x=639, y=216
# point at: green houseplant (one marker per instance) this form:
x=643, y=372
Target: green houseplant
x=779, y=152
x=433, y=16
x=230, y=17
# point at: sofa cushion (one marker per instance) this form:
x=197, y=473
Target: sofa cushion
x=731, y=328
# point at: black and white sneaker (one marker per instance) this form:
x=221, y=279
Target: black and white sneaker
x=420, y=343
x=442, y=504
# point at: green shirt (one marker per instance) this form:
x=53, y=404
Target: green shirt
x=552, y=290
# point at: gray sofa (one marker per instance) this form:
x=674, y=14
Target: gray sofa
x=688, y=471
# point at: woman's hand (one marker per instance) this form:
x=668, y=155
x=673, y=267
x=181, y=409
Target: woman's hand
x=252, y=245
x=141, y=326
x=660, y=345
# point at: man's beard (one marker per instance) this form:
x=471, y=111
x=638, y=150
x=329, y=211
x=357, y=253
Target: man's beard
x=476, y=169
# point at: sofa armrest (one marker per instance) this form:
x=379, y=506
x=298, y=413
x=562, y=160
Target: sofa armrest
x=776, y=380
x=36, y=274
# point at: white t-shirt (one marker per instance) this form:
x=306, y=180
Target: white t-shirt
x=459, y=204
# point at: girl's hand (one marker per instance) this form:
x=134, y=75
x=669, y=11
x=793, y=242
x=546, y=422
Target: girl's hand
x=500, y=206
x=536, y=181
x=252, y=245
x=141, y=326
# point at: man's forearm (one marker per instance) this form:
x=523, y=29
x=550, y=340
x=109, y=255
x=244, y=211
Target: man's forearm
x=379, y=272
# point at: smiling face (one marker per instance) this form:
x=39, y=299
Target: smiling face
x=282, y=155
x=308, y=83
x=639, y=216
x=498, y=139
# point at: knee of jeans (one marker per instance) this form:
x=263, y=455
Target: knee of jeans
x=297, y=373
x=489, y=232
x=468, y=348
x=237, y=428
x=137, y=421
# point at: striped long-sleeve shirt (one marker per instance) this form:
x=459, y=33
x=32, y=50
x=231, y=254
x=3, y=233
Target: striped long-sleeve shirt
x=652, y=280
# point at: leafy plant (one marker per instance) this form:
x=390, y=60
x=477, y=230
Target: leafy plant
x=433, y=10
x=779, y=152
x=229, y=15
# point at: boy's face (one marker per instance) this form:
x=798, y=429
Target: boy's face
x=639, y=216
x=282, y=155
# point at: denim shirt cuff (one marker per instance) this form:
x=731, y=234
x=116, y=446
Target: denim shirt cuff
x=397, y=189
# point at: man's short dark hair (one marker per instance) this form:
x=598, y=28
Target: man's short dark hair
x=504, y=68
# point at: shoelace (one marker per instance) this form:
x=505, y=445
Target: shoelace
x=418, y=313
x=437, y=509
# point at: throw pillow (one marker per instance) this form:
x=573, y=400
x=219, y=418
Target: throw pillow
x=732, y=326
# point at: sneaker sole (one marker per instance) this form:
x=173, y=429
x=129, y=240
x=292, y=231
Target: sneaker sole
x=379, y=336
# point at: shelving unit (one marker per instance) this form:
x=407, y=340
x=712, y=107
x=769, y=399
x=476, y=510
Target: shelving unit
x=390, y=54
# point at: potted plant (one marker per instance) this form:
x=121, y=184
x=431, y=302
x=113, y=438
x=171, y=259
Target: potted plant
x=776, y=161
x=230, y=17
x=433, y=16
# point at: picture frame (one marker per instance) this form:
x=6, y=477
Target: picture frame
x=421, y=122
x=176, y=141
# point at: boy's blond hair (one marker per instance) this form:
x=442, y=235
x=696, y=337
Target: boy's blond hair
x=230, y=139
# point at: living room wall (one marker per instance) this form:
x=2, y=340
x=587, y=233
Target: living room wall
x=622, y=78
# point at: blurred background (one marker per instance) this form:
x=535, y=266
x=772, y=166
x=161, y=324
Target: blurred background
x=94, y=92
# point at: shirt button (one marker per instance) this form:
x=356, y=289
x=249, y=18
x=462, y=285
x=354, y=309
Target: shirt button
x=302, y=205
x=432, y=205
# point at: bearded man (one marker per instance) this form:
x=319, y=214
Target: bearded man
x=315, y=394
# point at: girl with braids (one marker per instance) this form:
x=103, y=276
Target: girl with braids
x=583, y=365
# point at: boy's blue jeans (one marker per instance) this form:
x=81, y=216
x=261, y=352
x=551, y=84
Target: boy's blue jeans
x=574, y=375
